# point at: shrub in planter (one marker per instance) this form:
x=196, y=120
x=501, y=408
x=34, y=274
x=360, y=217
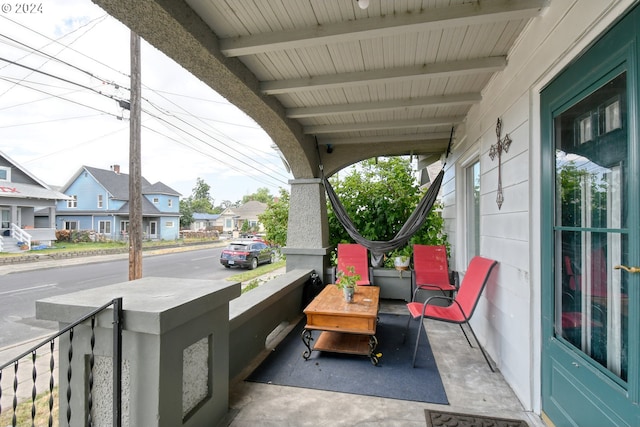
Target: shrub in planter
x=63, y=235
x=379, y=196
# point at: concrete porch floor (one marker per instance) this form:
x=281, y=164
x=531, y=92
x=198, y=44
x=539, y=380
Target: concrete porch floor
x=470, y=386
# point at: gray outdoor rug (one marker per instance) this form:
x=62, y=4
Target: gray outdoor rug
x=450, y=419
x=393, y=377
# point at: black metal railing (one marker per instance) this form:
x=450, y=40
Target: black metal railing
x=50, y=342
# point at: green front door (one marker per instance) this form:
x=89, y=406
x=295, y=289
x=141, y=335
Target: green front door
x=591, y=232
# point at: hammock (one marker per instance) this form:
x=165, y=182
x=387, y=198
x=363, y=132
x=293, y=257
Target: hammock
x=410, y=227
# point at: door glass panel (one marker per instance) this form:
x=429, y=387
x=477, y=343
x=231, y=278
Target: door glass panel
x=590, y=223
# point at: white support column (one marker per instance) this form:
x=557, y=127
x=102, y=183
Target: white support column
x=14, y=216
x=52, y=217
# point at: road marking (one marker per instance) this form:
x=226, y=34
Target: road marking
x=15, y=291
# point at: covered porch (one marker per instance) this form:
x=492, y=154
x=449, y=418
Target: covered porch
x=336, y=82
x=187, y=310
x=470, y=386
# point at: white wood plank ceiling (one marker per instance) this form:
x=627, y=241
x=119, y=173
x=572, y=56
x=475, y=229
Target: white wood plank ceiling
x=395, y=72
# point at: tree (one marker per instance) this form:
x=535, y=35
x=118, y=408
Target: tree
x=379, y=195
x=276, y=219
x=201, y=198
x=200, y=201
x=225, y=204
x=262, y=195
x=186, y=213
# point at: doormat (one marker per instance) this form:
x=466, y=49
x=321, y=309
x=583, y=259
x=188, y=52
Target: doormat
x=393, y=377
x=450, y=419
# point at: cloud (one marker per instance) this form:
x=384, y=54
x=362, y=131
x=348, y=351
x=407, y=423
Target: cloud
x=60, y=109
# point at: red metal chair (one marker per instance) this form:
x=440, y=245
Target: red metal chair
x=462, y=306
x=431, y=270
x=572, y=319
x=356, y=255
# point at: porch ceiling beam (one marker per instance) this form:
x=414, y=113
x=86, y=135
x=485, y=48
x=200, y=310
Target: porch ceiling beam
x=395, y=104
x=361, y=29
x=382, y=125
x=448, y=69
x=418, y=137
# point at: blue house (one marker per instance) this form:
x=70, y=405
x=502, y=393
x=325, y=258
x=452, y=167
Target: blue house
x=99, y=201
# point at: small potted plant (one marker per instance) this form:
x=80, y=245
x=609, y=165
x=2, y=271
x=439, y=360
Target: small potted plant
x=348, y=282
x=402, y=258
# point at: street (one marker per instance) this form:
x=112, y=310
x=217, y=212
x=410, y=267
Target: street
x=19, y=291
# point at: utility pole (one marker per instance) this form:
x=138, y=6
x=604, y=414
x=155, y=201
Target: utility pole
x=135, y=173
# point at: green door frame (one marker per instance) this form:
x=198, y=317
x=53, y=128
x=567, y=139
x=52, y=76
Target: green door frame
x=574, y=390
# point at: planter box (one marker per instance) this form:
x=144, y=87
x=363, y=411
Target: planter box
x=394, y=284
x=397, y=284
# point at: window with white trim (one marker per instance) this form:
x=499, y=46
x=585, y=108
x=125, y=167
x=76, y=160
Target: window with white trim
x=156, y=200
x=169, y=224
x=5, y=173
x=472, y=209
x=71, y=225
x=73, y=203
x=170, y=203
x=104, y=227
x=100, y=202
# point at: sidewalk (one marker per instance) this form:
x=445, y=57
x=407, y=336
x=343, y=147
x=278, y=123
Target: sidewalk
x=25, y=371
x=45, y=261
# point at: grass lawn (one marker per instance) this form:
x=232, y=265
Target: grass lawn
x=247, y=275
x=23, y=411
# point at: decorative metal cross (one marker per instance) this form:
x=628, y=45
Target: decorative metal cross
x=496, y=150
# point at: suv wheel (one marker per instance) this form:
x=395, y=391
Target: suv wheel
x=254, y=263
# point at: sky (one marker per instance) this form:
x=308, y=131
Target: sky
x=64, y=68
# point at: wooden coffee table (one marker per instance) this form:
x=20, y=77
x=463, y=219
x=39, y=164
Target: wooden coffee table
x=345, y=327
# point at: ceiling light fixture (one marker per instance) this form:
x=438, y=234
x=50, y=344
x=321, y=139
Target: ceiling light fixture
x=363, y=4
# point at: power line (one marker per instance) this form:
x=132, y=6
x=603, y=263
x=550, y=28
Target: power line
x=110, y=82
x=58, y=78
x=118, y=86
x=121, y=101
x=64, y=99
x=242, y=171
x=216, y=139
x=51, y=57
x=94, y=21
x=201, y=140
x=166, y=122
x=153, y=116
x=64, y=47
x=50, y=121
x=112, y=97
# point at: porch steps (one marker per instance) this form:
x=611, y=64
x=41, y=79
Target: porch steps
x=10, y=245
